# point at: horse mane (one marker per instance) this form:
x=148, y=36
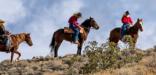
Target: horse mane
x=136, y=23
x=134, y=28
x=18, y=36
x=85, y=23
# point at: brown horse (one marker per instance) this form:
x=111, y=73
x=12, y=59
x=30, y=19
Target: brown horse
x=59, y=36
x=16, y=40
x=115, y=34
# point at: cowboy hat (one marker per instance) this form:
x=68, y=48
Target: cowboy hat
x=1, y=21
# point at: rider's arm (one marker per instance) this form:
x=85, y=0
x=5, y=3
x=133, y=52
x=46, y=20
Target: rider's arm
x=7, y=32
x=75, y=23
x=130, y=19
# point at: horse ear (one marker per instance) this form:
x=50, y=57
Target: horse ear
x=90, y=17
x=141, y=19
x=138, y=19
x=28, y=33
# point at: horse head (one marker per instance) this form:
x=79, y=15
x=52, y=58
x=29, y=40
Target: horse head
x=90, y=23
x=28, y=39
x=139, y=24
x=93, y=23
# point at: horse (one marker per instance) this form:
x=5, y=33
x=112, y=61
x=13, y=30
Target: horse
x=16, y=40
x=115, y=34
x=59, y=35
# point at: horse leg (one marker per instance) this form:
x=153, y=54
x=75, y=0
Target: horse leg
x=134, y=43
x=134, y=40
x=12, y=55
x=19, y=54
x=79, y=48
x=113, y=41
x=56, y=49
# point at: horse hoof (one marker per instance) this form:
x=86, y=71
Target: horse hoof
x=78, y=53
x=16, y=60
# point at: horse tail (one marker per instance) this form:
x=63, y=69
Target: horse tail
x=110, y=36
x=52, y=44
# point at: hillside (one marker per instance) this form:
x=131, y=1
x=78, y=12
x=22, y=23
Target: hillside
x=68, y=65
x=82, y=65
x=146, y=66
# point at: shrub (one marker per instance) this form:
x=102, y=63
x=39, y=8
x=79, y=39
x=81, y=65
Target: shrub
x=106, y=56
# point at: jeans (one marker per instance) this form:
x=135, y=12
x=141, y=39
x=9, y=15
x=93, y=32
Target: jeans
x=4, y=40
x=76, y=32
x=124, y=29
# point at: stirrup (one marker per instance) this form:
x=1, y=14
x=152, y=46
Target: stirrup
x=8, y=51
x=76, y=42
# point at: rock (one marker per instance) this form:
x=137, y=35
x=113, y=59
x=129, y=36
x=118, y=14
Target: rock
x=155, y=48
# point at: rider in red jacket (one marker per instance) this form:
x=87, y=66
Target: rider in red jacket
x=127, y=21
x=73, y=20
x=74, y=25
x=4, y=35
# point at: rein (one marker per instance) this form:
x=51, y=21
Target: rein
x=86, y=28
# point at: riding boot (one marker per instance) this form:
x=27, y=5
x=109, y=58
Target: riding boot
x=7, y=49
x=76, y=42
x=7, y=45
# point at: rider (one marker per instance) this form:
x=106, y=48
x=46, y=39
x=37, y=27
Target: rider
x=3, y=34
x=127, y=21
x=74, y=25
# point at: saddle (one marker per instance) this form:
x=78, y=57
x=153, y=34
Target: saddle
x=3, y=47
x=70, y=31
x=3, y=41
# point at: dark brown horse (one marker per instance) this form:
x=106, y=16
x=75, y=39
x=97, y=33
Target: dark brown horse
x=59, y=36
x=115, y=34
x=16, y=40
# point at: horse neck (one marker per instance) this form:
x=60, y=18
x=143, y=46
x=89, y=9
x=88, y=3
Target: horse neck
x=84, y=25
x=135, y=28
x=18, y=38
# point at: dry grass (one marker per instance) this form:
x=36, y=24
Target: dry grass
x=147, y=66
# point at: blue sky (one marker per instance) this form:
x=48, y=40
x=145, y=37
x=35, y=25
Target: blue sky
x=42, y=17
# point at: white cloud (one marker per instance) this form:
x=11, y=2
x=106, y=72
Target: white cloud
x=11, y=10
